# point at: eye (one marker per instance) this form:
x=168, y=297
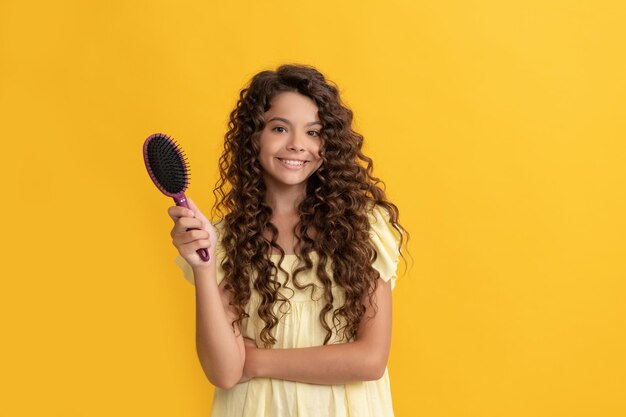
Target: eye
x=278, y=127
x=315, y=133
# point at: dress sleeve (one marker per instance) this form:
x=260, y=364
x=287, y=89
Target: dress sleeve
x=385, y=240
x=188, y=272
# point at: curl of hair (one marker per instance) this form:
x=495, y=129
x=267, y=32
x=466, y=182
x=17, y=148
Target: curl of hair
x=338, y=195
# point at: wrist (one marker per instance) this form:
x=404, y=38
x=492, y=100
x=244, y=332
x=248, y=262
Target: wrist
x=201, y=272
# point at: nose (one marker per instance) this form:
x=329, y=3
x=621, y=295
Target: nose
x=296, y=142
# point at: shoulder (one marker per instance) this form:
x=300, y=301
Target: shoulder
x=381, y=225
x=386, y=241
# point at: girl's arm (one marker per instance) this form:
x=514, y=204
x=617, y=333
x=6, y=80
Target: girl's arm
x=362, y=360
x=220, y=350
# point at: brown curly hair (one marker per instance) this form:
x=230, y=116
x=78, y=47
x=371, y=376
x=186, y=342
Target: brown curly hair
x=338, y=196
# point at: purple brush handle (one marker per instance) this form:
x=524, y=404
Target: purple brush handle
x=182, y=201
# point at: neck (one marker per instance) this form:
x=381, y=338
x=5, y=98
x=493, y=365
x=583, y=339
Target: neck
x=284, y=199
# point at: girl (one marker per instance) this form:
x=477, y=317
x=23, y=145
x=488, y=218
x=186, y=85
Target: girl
x=293, y=310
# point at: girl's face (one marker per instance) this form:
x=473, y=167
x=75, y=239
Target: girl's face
x=290, y=142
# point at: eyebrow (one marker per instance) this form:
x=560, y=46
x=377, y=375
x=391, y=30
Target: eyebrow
x=289, y=123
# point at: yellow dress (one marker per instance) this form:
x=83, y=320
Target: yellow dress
x=300, y=327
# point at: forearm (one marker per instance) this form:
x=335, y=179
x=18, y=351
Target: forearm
x=329, y=364
x=220, y=354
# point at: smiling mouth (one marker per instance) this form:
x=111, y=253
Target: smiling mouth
x=292, y=162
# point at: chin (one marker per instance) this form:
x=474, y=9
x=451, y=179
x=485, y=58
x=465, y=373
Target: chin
x=284, y=180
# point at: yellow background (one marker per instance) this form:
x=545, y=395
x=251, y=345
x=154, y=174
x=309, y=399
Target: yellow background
x=498, y=127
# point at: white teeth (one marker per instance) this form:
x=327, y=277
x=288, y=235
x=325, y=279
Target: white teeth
x=294, y=163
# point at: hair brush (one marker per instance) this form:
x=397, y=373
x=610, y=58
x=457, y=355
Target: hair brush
x=167, y=166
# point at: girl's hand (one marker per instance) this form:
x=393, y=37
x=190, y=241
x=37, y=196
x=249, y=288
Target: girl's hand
x=248, y=366
x=188, y=242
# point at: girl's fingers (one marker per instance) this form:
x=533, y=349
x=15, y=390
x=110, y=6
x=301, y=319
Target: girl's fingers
x=195, y=245
x=193, y=206
x=189, y=223
x=190, y=236
x=176, y=212
x=184, y=223
x=196, y=210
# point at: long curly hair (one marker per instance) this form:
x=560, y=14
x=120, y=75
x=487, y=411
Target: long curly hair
x=338, y=196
